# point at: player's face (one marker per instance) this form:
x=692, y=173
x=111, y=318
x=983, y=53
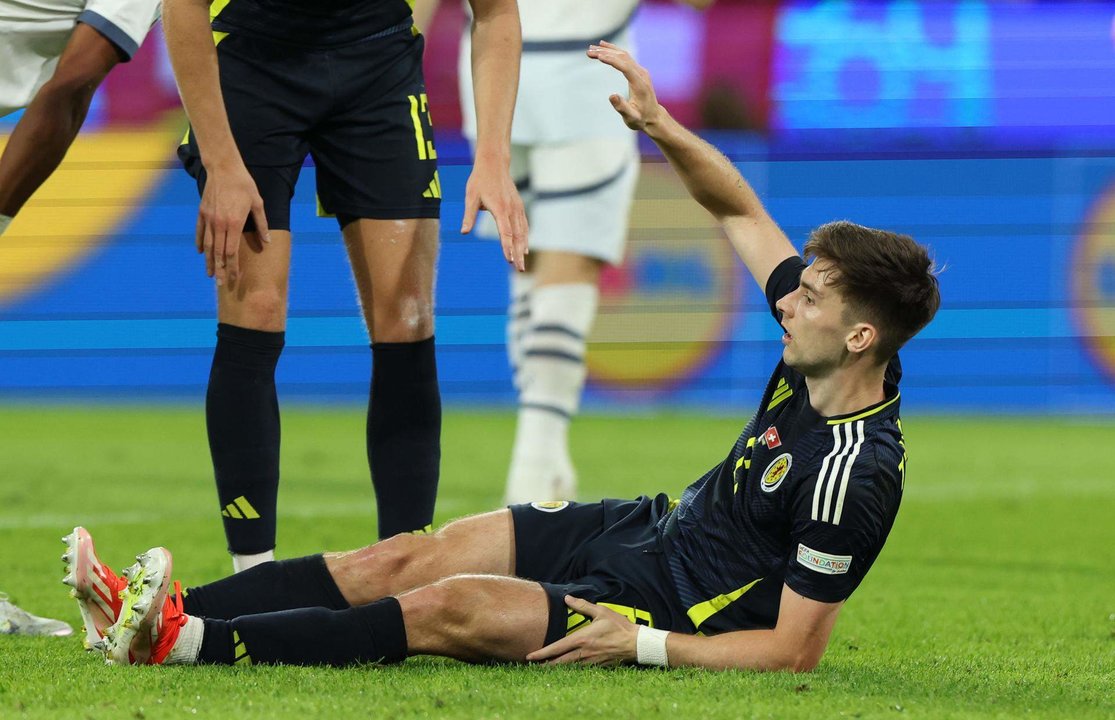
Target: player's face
x=814, y=319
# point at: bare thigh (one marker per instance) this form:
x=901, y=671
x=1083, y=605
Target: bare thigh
x=479, y=544
x=393, y=263
x=258, y=298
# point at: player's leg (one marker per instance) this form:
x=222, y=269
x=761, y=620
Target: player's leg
x=520, y=284
x=477, y=544
x=470, y=617
x=241, y=402
x=393, y=263
x=271, y=609
x=272, y=95
x=377, y=171
x=581, y=197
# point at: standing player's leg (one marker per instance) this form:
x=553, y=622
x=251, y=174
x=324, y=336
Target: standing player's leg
x=241, y=403
x=377, y=172
x=581, y=196
x=393, y=263
x=520, y=284
x=272, y=96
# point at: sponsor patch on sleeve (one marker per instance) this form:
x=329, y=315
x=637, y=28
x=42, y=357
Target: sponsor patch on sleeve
x=823, y=562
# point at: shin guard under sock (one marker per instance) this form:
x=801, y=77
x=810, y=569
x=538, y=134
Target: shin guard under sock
x=282, y=585
x=309, y=636
x=242, y=418
x=404, y=435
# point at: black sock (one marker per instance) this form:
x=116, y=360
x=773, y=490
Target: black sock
x=309, y=636
x=404, y=435
x=242, y=416
x=271, y=586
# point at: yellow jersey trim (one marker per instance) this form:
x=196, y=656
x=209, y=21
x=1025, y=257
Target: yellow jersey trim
x=701, y=612
x=866, y=413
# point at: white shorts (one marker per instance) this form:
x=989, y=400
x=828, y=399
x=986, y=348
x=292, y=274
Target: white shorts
x=33, y=36
x=577, y=195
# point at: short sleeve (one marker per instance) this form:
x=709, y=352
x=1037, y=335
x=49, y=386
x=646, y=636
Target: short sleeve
x=125, y=23
x=783, y=280
x=840, y=524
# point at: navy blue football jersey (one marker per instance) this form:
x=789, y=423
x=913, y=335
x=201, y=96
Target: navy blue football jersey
x=321, y=23
x=801, y=499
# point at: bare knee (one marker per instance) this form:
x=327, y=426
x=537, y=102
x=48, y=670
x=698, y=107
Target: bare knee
x=440, y=610
x=408, y=317
x=258, y=308
x=387, y=568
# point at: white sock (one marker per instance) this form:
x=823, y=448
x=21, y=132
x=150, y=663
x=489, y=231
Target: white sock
x=240, y=563
x=552, y=376
x=188, y=645
x=518, y=320
x=5, y=221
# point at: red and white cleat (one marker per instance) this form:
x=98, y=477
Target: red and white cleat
x=150, y=619
x=94, y=585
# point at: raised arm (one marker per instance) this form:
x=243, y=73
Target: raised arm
x=497, y=45
x=710, y=178
x=230, y=194
x=51, y=122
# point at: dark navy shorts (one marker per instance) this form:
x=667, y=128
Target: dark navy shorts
x=360, y=111
x=609, y=553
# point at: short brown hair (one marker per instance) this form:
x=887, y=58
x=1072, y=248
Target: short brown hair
x=886, y=278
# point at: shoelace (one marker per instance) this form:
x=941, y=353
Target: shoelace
x=175, y=617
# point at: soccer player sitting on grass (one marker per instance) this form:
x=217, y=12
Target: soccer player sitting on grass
x=749, y=569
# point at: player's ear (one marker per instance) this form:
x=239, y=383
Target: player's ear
x=861, y=338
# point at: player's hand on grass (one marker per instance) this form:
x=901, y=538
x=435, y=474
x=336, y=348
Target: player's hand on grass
x=641, y=107
x=610, y=639
x=230, y=196
x=491, y=188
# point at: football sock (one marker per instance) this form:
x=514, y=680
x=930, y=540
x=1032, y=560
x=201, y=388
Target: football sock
x=518, y=320
x=283, y=585
x=551, y=378
x=240, y=563
x=242, y=417
x=404, y=435
x=309, y=636
x=188, y=645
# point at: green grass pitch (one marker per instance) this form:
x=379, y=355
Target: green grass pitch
x=995, y=596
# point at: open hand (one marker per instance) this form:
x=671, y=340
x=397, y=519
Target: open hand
x=230, y=195
x=610, y=639
x=640, y=108
x=491, y=188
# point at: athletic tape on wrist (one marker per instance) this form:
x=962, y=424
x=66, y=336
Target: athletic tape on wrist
x=650, y=647
x=4, y=222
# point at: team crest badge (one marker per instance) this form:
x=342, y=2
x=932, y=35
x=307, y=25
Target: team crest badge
x=776, y=472
x=550, y=506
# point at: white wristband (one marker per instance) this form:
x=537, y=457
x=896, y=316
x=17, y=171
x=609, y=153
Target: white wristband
x=5, y=221
x=650, y=647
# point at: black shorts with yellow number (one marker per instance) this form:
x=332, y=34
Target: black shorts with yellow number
x=608, y=553
x=360, y=111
